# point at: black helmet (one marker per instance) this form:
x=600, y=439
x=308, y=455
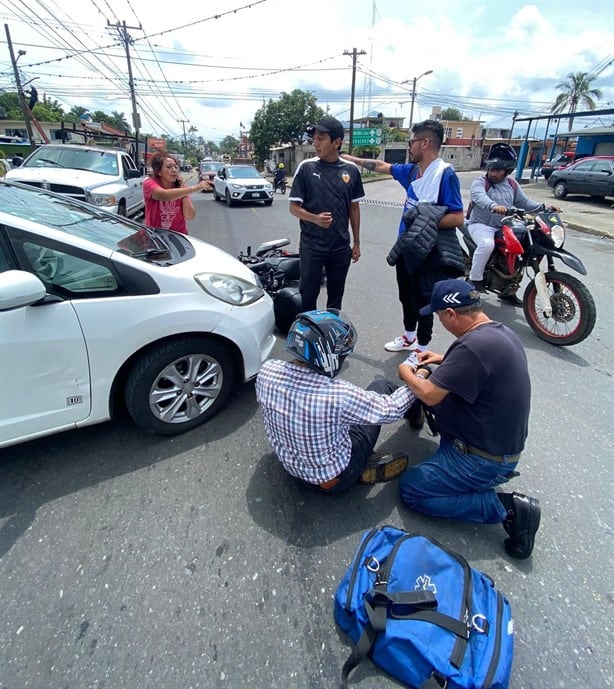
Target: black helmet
x=322, y=339
x=501, y=157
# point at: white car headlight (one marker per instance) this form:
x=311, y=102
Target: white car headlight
x=230, y=289
x=103, y=200
x=237, y=186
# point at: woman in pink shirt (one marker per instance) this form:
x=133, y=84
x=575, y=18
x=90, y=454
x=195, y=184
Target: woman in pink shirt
x=167, y=201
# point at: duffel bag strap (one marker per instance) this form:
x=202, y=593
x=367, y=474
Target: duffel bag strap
x=435, y=681
x=376, y=604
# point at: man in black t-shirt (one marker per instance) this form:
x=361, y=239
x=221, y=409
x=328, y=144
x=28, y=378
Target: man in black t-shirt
x=324, y=197
x=480, y=395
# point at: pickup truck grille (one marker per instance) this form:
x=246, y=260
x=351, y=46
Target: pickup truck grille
x=73, y=192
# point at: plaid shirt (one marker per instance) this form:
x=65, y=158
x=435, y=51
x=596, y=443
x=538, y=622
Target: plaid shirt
x=307, y=417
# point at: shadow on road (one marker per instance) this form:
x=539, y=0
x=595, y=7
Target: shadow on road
x=41, y=471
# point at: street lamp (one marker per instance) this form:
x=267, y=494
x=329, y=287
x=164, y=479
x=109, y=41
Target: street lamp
x=413, y=96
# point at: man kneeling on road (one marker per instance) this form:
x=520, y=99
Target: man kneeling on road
x=480, y=394
x=322, y=428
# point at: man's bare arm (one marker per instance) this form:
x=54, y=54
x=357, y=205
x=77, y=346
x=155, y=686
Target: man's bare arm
x=369, y=164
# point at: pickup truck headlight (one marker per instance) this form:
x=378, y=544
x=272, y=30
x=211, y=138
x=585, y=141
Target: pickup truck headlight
x=102, y=200
x=230, y=289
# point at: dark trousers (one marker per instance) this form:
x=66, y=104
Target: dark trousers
x=363, y=438
x=336, y=264
x=412, y=300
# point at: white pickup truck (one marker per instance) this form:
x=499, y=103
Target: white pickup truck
x=102, y=177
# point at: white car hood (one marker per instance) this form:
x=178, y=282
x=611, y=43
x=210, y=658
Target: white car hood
x=210, y=259
x=58, y=175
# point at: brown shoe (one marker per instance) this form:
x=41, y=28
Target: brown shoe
x=383, y=468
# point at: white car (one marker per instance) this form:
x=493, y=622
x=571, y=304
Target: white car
x=98, y=311
x=240, y=183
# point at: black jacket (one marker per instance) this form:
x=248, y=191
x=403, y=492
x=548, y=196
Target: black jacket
x=424, y=247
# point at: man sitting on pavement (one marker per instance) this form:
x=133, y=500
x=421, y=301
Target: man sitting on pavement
x=480, y=395
x=323, y=428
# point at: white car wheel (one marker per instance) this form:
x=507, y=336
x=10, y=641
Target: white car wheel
x=179, y=385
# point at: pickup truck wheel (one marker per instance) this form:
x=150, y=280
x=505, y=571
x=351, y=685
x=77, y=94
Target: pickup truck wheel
x=121, y=209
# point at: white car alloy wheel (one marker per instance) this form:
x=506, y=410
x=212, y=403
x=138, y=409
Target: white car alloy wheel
x=179, y=385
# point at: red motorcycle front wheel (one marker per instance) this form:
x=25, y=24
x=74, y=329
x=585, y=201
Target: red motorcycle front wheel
x=573, y=310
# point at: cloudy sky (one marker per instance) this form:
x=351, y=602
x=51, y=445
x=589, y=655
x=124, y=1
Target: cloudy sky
x=213, y=63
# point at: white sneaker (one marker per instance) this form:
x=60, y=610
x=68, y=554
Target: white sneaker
x=412, y=360
x=400, y=344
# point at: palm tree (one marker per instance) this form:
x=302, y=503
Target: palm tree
x=576, y=90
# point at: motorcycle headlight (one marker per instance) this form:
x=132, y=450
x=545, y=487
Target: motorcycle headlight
x=557, y=234
x=229, y=288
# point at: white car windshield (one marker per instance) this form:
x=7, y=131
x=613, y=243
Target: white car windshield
x=75, y=159
x=243, y=173
x=101, y=227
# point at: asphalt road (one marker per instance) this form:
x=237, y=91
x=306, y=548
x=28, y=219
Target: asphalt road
x=138, y=562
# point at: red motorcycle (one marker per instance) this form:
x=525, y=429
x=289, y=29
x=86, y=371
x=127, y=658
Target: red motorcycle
x=558, y=307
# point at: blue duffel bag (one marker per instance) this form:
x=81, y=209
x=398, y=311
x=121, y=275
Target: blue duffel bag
x=421, y=613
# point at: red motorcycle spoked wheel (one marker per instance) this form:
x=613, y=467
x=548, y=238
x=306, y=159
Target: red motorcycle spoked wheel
x=573, y=310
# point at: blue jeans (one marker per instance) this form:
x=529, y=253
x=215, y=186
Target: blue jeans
x=363, y=437
x=451, y=484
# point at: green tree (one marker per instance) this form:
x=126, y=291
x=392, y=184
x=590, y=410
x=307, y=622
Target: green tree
x=10, y=102
x=74, y=115
x=119, y=121
x=48, y=110
x=575, y=90
x=283, y=121
x=230, y=145
x=454, y=114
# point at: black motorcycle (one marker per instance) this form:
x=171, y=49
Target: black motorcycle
x=280, y=184
x=279, y=274
x=557, y=306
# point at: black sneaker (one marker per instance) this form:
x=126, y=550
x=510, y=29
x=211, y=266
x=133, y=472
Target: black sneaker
x=510, y=299
x=478, y=285
x=522, y=526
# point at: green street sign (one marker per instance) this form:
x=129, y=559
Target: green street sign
x=371, y=136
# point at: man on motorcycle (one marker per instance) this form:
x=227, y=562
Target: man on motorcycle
x=280, y=176
x=491, y=197
x=481, y=436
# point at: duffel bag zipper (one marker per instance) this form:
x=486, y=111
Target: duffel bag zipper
x=496, y=652
x=355, y=565
x=460, y=647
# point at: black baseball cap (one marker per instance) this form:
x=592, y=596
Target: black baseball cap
x=451, y=294
x=331, y=126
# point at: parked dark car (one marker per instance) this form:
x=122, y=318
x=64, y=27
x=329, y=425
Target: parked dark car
x=560, y=161
x=593, y=176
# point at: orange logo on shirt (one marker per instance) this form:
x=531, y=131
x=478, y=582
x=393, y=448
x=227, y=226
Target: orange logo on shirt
x=345, y=176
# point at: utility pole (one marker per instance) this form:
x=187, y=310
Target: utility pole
x=22, y=98
x=183, y=123
x=136, y=118
x=413, y=98
x=354, y=53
